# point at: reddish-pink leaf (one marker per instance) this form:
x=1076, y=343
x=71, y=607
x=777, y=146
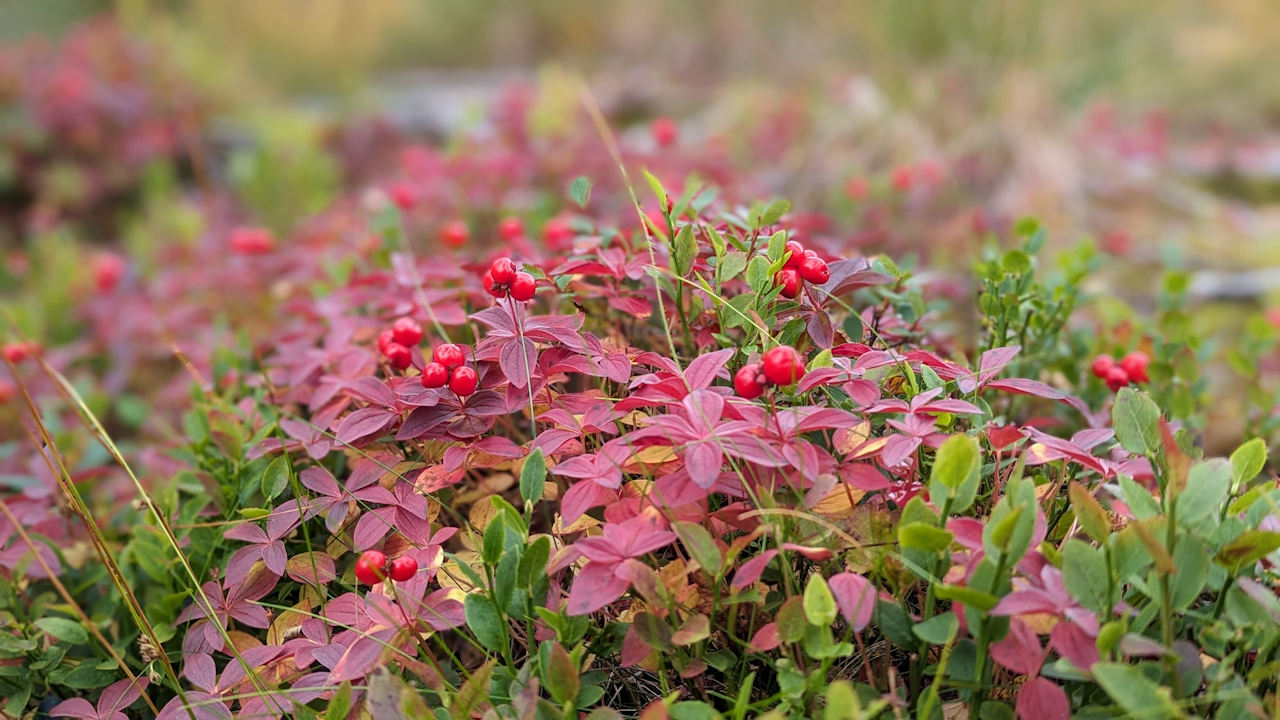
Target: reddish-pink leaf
x=855, y=597
x=1041, y=699
x=749, y=571
x=765, y=639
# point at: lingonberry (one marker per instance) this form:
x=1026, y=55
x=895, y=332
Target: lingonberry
x=455, y=234
x=902, y=178
x=108, y=269
x=449, y=355
x=1135, y=365
x=463, y=381
x=796, y=255
x=403, y=195
x=371, y=568
x=557, y=233
x=510, y=228
x=403, y=568
x=398, y=355
x=16, y=352
x=503, y=270
x=855, y=189
x=789, y=280
x=782, y=365
x=1117, y=378
x=815, y=270
x=664, y=131
x=252, y=240
x=385, y=338
x=407, y=331
x=434, y=375
x=491, y=286
x=523, y=287
x=1102, y=365
x=747, y=381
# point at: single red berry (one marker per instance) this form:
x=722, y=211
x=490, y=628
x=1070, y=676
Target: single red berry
x=815, y=270
x=664, y=131
x=449, y=355
x=1117, y=378
x=385, y=338
x=455, y=234
x=1135, y=364
x=902, y=178
x=252, y=240
x=510, y=228
x=434, y=375
x=16, y=352
x=797, y=254
x=782, y=365
x=108, y=269
x=557, y=233
x=398, y=355
x=503, y=270
x=855, y=188
x=371, y=568
x=1102, y=365
x=747, y=381
x=463, y=381
x=407, y=331
x=403, y=195
x=789, y=280
x=403, y=568
x=491, y=286
x=523, y=287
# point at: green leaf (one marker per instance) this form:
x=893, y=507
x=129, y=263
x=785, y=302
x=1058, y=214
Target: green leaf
x=938, y=630
x=533, y=564
x=922, y=536
x=758, y=275
x=792, y=622
x=533, y=476
x=1247, y=461
x=486, y=623
x=580, y=191
x=777, y=246
x=495, y=539
x=955, y=473
x=472, y=692
x=1132, y=691
x=64, y=629
x=1093, y=518
x=731, y=266
x=658, y=190
x=276, y=477
x=561, y=674
x=1249, y=548
x=819, y=603
x=340, y=704
x=894, y=622
x=737, y=313
x=701, y=546
x=693, y=710
x=1140, y=502
x=1207, y=486
x=1192, y=561
x=684, y=250
x=1084, y=572
x=983, y=601
x=774, y=212
x=1136, y=419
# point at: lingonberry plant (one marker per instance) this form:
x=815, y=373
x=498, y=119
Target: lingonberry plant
x=491, y=451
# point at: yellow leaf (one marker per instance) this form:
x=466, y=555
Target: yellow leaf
x=840, y=502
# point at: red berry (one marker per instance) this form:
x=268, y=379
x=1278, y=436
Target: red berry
x=492, y=287
x=510, y=228
x=455, y=234
x=407, y=331
x=1135, y=365
x=449, y=355
x=434, y=375
x=815, y=270
x=403, y=195
x=108, y=268
x=7, y=391
x=789, y=280
x=664, y=131
x=385, y=338
x=783, y=365
x=1117, y=378
x=796, y=256
x=403, y=568
x=523, y=287
x=557, y=233
x=398, y=355
x=503, y=270
x=1102, y=365
x=16, y=352
x=463, y=381
x=856, y=188
x=252, y=240
x=747, y=381
x=902, y=178
x=371, y=568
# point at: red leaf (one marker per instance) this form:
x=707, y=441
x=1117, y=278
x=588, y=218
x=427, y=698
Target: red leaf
x=1041, y=699
x=749, y=571
x=855, y=597
x=765, y=639
x=363, y=423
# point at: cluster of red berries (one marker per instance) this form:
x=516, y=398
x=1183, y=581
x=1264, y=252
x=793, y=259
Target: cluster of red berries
x=395, y=342
x=781, y=365
x=802, y=265
x=1132, y=368
x=503, y=279
x=372, y=569
x=447, y=368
